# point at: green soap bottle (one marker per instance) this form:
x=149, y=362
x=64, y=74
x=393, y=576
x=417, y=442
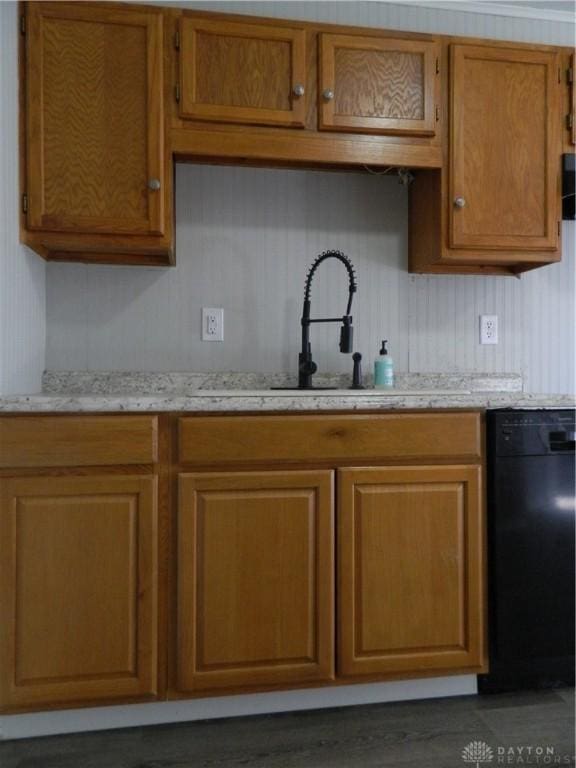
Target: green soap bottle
x=384, y=369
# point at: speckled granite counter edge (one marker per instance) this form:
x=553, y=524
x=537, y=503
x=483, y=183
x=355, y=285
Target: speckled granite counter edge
x=272, y=402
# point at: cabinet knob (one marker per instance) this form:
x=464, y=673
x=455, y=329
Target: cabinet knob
x=328, y=94
x=459, y=202
x=154, y=184
x=299, y=90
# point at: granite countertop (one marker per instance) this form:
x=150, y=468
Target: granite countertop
x=105, y=392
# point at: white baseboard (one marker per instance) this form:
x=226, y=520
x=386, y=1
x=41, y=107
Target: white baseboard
x=134, y=715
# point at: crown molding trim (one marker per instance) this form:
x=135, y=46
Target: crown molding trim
x=493, y=9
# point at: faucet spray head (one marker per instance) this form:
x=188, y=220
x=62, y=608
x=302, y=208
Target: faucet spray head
x=346, y=335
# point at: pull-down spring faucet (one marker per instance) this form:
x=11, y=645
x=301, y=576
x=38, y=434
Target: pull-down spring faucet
x=306, y=365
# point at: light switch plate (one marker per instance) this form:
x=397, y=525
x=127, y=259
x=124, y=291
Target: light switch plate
x=212, y=324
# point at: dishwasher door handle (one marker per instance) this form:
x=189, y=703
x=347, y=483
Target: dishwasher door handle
x=562, y=441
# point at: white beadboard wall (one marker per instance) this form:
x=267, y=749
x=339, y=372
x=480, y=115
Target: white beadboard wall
x=22, y=273
x=246, y=236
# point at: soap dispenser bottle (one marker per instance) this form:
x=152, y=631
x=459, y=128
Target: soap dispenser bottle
x=384, y=369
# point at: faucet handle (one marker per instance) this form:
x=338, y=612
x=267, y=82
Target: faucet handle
x=308, y=367
x=357, y=372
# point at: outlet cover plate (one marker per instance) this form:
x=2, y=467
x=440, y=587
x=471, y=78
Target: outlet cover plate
x=488, y=329
x=212, y=324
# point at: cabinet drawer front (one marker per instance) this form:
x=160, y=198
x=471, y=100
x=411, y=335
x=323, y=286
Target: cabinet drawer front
x=378, y=85
x=245, y=439
x=504, y=170
x=255, y=579
x=78, y=590
x=94, y=119
x=77, y=441
x=242, y=73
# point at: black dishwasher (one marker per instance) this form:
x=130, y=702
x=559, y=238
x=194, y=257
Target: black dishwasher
x=531, y=511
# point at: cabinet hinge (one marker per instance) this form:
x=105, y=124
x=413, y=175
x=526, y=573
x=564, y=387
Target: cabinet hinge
x=24, y=203
x=559, y=227
x=570, y=76
x=177, y=93
x=437, y=66
x=177, y=40
x=22, y=24
x=570, y=121
x=437, y=113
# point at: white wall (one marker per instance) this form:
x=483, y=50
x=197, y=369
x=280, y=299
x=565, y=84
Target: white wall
x=245, y=238
x=22, y=273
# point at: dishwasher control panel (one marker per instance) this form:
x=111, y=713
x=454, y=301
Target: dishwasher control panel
x=536, y=433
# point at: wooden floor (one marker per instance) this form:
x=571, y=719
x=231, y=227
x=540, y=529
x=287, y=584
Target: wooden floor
x=425, y=734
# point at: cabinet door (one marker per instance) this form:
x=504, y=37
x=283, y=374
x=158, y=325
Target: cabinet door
x=255, y=579
x=94, y=119
x=242, y=73
x=77, y=590
x=504, y=147
x=378, y=85
x=410, y=570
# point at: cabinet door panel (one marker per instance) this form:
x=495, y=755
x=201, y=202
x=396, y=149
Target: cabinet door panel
x=410, y=570
x=95, y=124
x=379, y=85
x=504, y=148
x=78, y=589
x=242, y=73
x=255, y=583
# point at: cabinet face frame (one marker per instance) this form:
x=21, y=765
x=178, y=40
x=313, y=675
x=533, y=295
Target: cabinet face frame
x=192, y=674
x=328, y=120
x=37, y=217
x=571, y=117
x=191, y=108
x=140, y=679
x=459, y=150
x=467, y=652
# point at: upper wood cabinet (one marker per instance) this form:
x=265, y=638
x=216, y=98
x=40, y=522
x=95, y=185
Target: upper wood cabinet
x=242, y=73
x=409, y=570
x=504, y=148
x=111, y=95
x=496, y=208
x=378, y=85
x=94, y=111
x=96, y=175
x=255, y=579
x=78, y=593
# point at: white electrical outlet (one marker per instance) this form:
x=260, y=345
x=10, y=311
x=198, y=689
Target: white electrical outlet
x=488, y=329
x=212, y=324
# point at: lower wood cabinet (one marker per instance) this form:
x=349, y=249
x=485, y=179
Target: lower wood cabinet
x=409, y=570
x=284, y=576
x=255, y=580
x=78, y=594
